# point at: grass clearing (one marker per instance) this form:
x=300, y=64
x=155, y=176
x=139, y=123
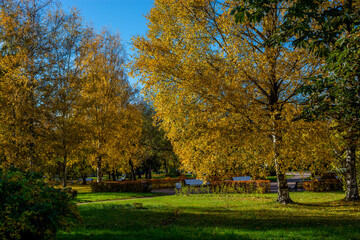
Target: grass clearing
x=85, y=194
x=106, y=196
x=236, y=216
x=81, y=188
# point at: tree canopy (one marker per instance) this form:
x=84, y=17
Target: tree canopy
x=225, y=97
x=65, y=98
x=329, y=29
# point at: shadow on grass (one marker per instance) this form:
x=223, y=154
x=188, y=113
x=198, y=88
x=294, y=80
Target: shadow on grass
x=332, y=204
x=295, y=221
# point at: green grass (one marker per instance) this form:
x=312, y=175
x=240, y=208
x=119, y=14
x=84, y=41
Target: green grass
x=85, y=194
x=237, y=216
x=95, y=197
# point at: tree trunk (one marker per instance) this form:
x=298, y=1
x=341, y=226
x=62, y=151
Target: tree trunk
x=165, y=167
x=84, y=179
x=31, y=115
x=133, y=175
x=98, y=169
x=113, y=175
x=149, y=170
x=283, y=188
x=65, y=171
x=352, y=192
x=138, y=173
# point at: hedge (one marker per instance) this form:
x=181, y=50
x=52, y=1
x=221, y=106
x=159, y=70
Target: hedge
x=253, y=186
x=323, y=185
x=125, y=186
x=165, y=183
x=227, y=187
x=134, y=186
x=260, y=186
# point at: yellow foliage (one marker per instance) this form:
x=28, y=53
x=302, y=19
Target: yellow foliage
x=113, y=121
x=225, y=96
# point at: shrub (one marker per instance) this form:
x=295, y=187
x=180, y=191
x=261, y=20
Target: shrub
x=256, y=186
x=164, y=183
x=134, y=186
x=226, y=187
x=31, y=209
x=323, y=185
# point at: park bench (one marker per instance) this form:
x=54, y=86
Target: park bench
x=242, y=178
x=299, y=185
x=194, y=182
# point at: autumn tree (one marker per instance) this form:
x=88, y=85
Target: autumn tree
x=329, y=29
x=62, y=88
x=110, y=114
x=225, y=97
x=24, y=44
x=65, y=97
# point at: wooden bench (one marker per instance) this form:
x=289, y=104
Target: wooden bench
x=242, y=178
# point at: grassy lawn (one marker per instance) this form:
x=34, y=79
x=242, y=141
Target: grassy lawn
x=85, y=194
x=238, y=216
x=94, y=197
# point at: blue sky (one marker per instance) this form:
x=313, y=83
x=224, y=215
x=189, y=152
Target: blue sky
x=123, y=16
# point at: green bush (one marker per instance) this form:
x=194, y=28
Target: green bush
x=31, y=209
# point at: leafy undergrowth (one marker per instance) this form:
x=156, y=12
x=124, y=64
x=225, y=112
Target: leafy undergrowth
x=237, y=216
x=95, y=197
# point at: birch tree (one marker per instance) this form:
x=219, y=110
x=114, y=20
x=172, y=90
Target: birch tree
x=225, y=96
x=62, y=88
x=111, y=116
x=329, y=29
x=24, y=45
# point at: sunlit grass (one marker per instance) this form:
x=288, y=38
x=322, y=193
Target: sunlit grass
x=94, y=197
x=82, y=188
x=237, y=216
